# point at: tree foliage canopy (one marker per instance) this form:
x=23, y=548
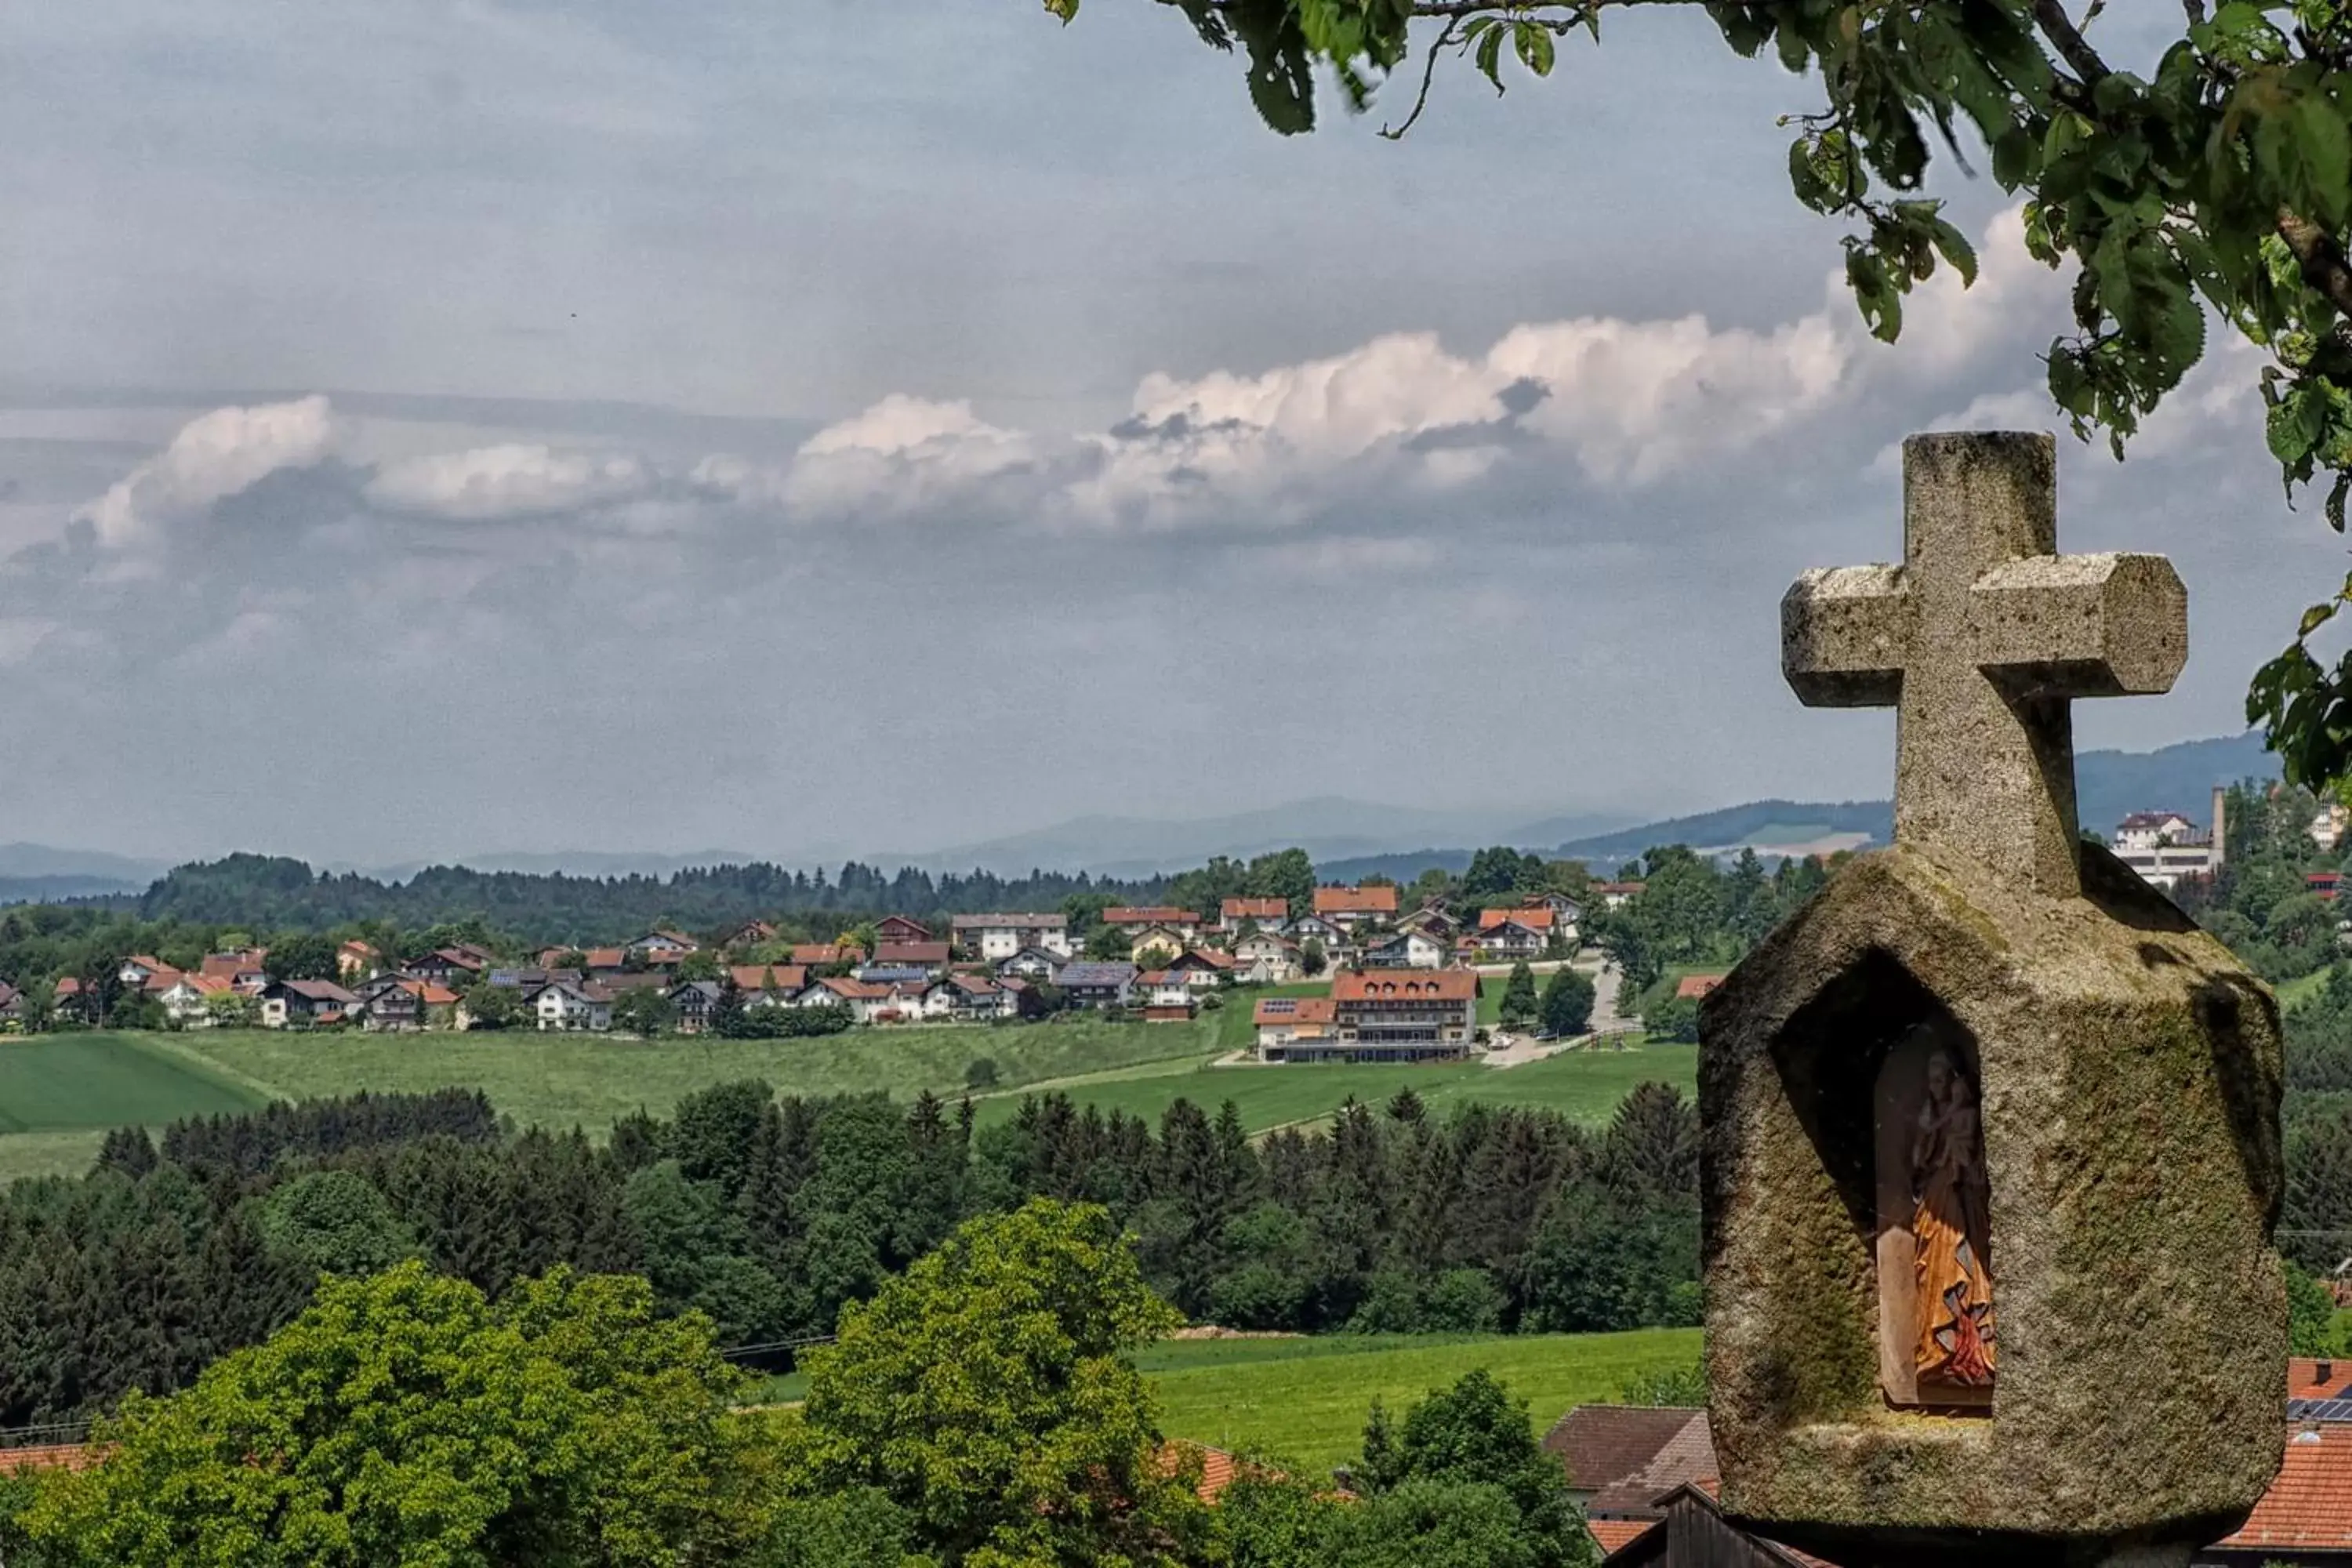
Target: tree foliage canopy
x=2219, y=188
x=405, y=1418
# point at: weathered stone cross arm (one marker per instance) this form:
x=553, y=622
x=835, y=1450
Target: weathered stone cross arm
x=1979, y=640
x=2053, y=622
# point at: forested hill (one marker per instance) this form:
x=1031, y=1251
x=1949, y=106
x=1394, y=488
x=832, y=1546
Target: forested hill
x=264, y=892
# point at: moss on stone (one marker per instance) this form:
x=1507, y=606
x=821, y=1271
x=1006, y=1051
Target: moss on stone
x=2130, y=1077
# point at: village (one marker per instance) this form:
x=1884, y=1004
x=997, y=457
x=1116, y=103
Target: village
x=1402, y=984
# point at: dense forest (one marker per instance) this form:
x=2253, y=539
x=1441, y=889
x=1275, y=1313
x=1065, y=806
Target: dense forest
x=769, y=1215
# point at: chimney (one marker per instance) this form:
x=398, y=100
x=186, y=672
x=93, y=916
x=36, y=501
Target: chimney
x=2220, y=826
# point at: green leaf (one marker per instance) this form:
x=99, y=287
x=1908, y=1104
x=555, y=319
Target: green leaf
x=1067, y=10
x=1535, y=47
x=2335, y=500
x=2015, y=157
x=2323, y=161
x=1490, y=57
x=1955, y=249
x=2318, y=617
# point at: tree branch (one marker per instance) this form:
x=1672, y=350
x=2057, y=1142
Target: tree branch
x=2320, y=258
x=2071, y=47
x=1428, y=74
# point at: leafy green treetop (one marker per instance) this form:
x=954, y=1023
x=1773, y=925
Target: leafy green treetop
x=987, y=1392
x=2218, y=187
x=405, y=1418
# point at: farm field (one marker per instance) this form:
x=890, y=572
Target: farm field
x=1304, y=1399
x=57, y=1091
x=1585, y=1086
x=66, y=1083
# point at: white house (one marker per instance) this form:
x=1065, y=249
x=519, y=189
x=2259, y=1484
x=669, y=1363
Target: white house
x=1165, y=996
x=1000, y=936
x=566, y=1006
x=1415, y=949
x=1265, y=958
x=302, y=1002
x=966, y=996
x=1285, y=1022
x=187, y=1000
x=862, y=998
x=1315, y=928
x=2164, y=846
x=1032, y=963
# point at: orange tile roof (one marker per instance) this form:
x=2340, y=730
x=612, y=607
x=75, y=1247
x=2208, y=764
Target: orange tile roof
x=1151, y=915
x=2303, y=1382
x=2309, y=1505
x=1295, y=1010
x=1255, y=910
x=754, y=976
x=1614, y=1534
x=56, y=1457
x=1697, y=985
x=1218, y=1468
x=817, y=953
x=1386, y=984
x=1380, y=900
x=1536, y=917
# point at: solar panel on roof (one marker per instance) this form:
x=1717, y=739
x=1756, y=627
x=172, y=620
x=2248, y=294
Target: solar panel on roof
x=2326, y=1410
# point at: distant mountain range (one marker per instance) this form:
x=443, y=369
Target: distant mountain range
x=1349, y=839
x=1331, y=828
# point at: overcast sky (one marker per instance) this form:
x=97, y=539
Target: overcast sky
x=441, y=427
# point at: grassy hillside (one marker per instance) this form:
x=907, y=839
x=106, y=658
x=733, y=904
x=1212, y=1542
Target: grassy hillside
x=1585, y=1086
x=61, y=1083
x=57, y=1091
x=1304, y=1399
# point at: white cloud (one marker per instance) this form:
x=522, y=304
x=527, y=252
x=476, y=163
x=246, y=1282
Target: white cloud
x=1619, y=404
x=904, y=454
x=212, y=456
x=490, y=483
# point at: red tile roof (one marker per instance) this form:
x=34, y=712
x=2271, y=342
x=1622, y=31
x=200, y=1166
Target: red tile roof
x=2309, y=1505
x=817, y=953
x=1151, y=915
x=1697, y=985
x=605, y=957
x=754, y=976
x=56, y=1457
x=1378, y=901
x=1218, y=1468
x=1389, y=984
x=1536, y=917
x=2303, y=1382
x=894, y=954
x=1615, y=1534
x=1279, y=1010
x=1234, y=910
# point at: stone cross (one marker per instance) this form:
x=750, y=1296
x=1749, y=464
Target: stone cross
x=1978, y=641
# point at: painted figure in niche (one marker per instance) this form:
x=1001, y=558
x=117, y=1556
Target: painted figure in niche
x=1951, y=1230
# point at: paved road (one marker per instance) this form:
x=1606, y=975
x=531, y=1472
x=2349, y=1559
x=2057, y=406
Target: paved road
x=1518, y=1049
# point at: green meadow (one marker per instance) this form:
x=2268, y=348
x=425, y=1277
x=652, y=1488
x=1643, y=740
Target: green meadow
x=1304, y=1399
x=59, y=1093
x=1584, y=1085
